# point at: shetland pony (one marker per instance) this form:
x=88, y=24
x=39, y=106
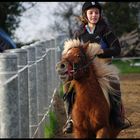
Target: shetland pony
x=91, y=110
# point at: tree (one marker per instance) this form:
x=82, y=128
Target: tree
x=9, y=15
x=122, y=16
x=65, y=17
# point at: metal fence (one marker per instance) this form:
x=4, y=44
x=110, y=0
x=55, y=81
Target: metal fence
x=28, y=82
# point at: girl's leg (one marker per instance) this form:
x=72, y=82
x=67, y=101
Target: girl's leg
x=68, y=103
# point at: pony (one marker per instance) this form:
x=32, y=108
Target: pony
x=80, y=65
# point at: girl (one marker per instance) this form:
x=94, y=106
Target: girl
x=95, y=29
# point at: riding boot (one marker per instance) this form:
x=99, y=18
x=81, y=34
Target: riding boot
x=68, y=103
x=117, y=111
x=117, y=115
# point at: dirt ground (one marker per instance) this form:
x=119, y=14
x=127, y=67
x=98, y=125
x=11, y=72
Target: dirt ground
x=130, y=87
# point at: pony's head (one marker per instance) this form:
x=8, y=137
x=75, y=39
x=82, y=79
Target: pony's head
x=76, y=59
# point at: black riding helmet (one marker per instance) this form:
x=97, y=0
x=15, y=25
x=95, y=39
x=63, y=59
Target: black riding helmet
x=88, y=5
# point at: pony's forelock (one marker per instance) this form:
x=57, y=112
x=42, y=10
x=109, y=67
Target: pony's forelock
x=70, y=44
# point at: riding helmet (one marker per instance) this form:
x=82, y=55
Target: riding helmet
x=88, y=5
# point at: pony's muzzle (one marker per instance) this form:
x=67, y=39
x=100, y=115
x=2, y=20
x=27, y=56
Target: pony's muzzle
x=61, y=68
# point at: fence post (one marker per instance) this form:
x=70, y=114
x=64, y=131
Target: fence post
x=50, y=69
x=48, y=62
x=32, y=90
x=23, y=91
x=9, y=98
x=45, y=76
x=41, y=87
x=48, y=72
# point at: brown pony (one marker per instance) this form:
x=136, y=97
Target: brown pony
x=91, y=110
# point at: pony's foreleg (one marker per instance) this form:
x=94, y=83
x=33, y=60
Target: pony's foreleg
x=102, y=133
x=80, y=133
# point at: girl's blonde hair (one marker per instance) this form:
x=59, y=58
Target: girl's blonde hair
x=82, y=19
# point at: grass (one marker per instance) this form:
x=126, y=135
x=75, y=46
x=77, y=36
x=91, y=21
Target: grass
x=51, y=126
x=61, y=93
x=125, y=66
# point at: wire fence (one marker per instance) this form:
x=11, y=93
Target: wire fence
x=28, y=84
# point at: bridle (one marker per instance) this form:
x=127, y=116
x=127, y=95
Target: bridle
x=81, y=66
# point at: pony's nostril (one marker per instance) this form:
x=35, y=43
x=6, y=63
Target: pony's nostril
x=62, y=66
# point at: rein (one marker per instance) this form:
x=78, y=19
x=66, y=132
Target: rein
x=75, y=68
x=90, y=62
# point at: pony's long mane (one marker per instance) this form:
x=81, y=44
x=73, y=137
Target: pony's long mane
x=105, y=73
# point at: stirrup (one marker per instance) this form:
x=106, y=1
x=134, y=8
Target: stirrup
x=125, y=126
x=68, y=127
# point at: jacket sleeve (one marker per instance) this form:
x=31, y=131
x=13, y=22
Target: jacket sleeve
x=112, y=41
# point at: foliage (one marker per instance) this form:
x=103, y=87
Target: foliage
x=65, y=16
x=50, y=127
x=127, y=66
x=9, y=15
x=122, y=16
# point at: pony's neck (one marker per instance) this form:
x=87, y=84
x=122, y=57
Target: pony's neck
x=88, y=83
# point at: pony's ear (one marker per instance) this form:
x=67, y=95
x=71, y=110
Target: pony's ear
x=85, y=45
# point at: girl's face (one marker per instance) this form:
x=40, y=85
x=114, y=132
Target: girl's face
x=93, y=15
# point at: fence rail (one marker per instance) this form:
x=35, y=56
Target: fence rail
x=27, y=84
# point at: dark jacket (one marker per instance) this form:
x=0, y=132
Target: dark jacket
x=103, y=35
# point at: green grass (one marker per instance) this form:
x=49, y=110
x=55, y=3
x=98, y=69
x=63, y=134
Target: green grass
x=61, y=93
x=124, y=66
x=51, y=127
